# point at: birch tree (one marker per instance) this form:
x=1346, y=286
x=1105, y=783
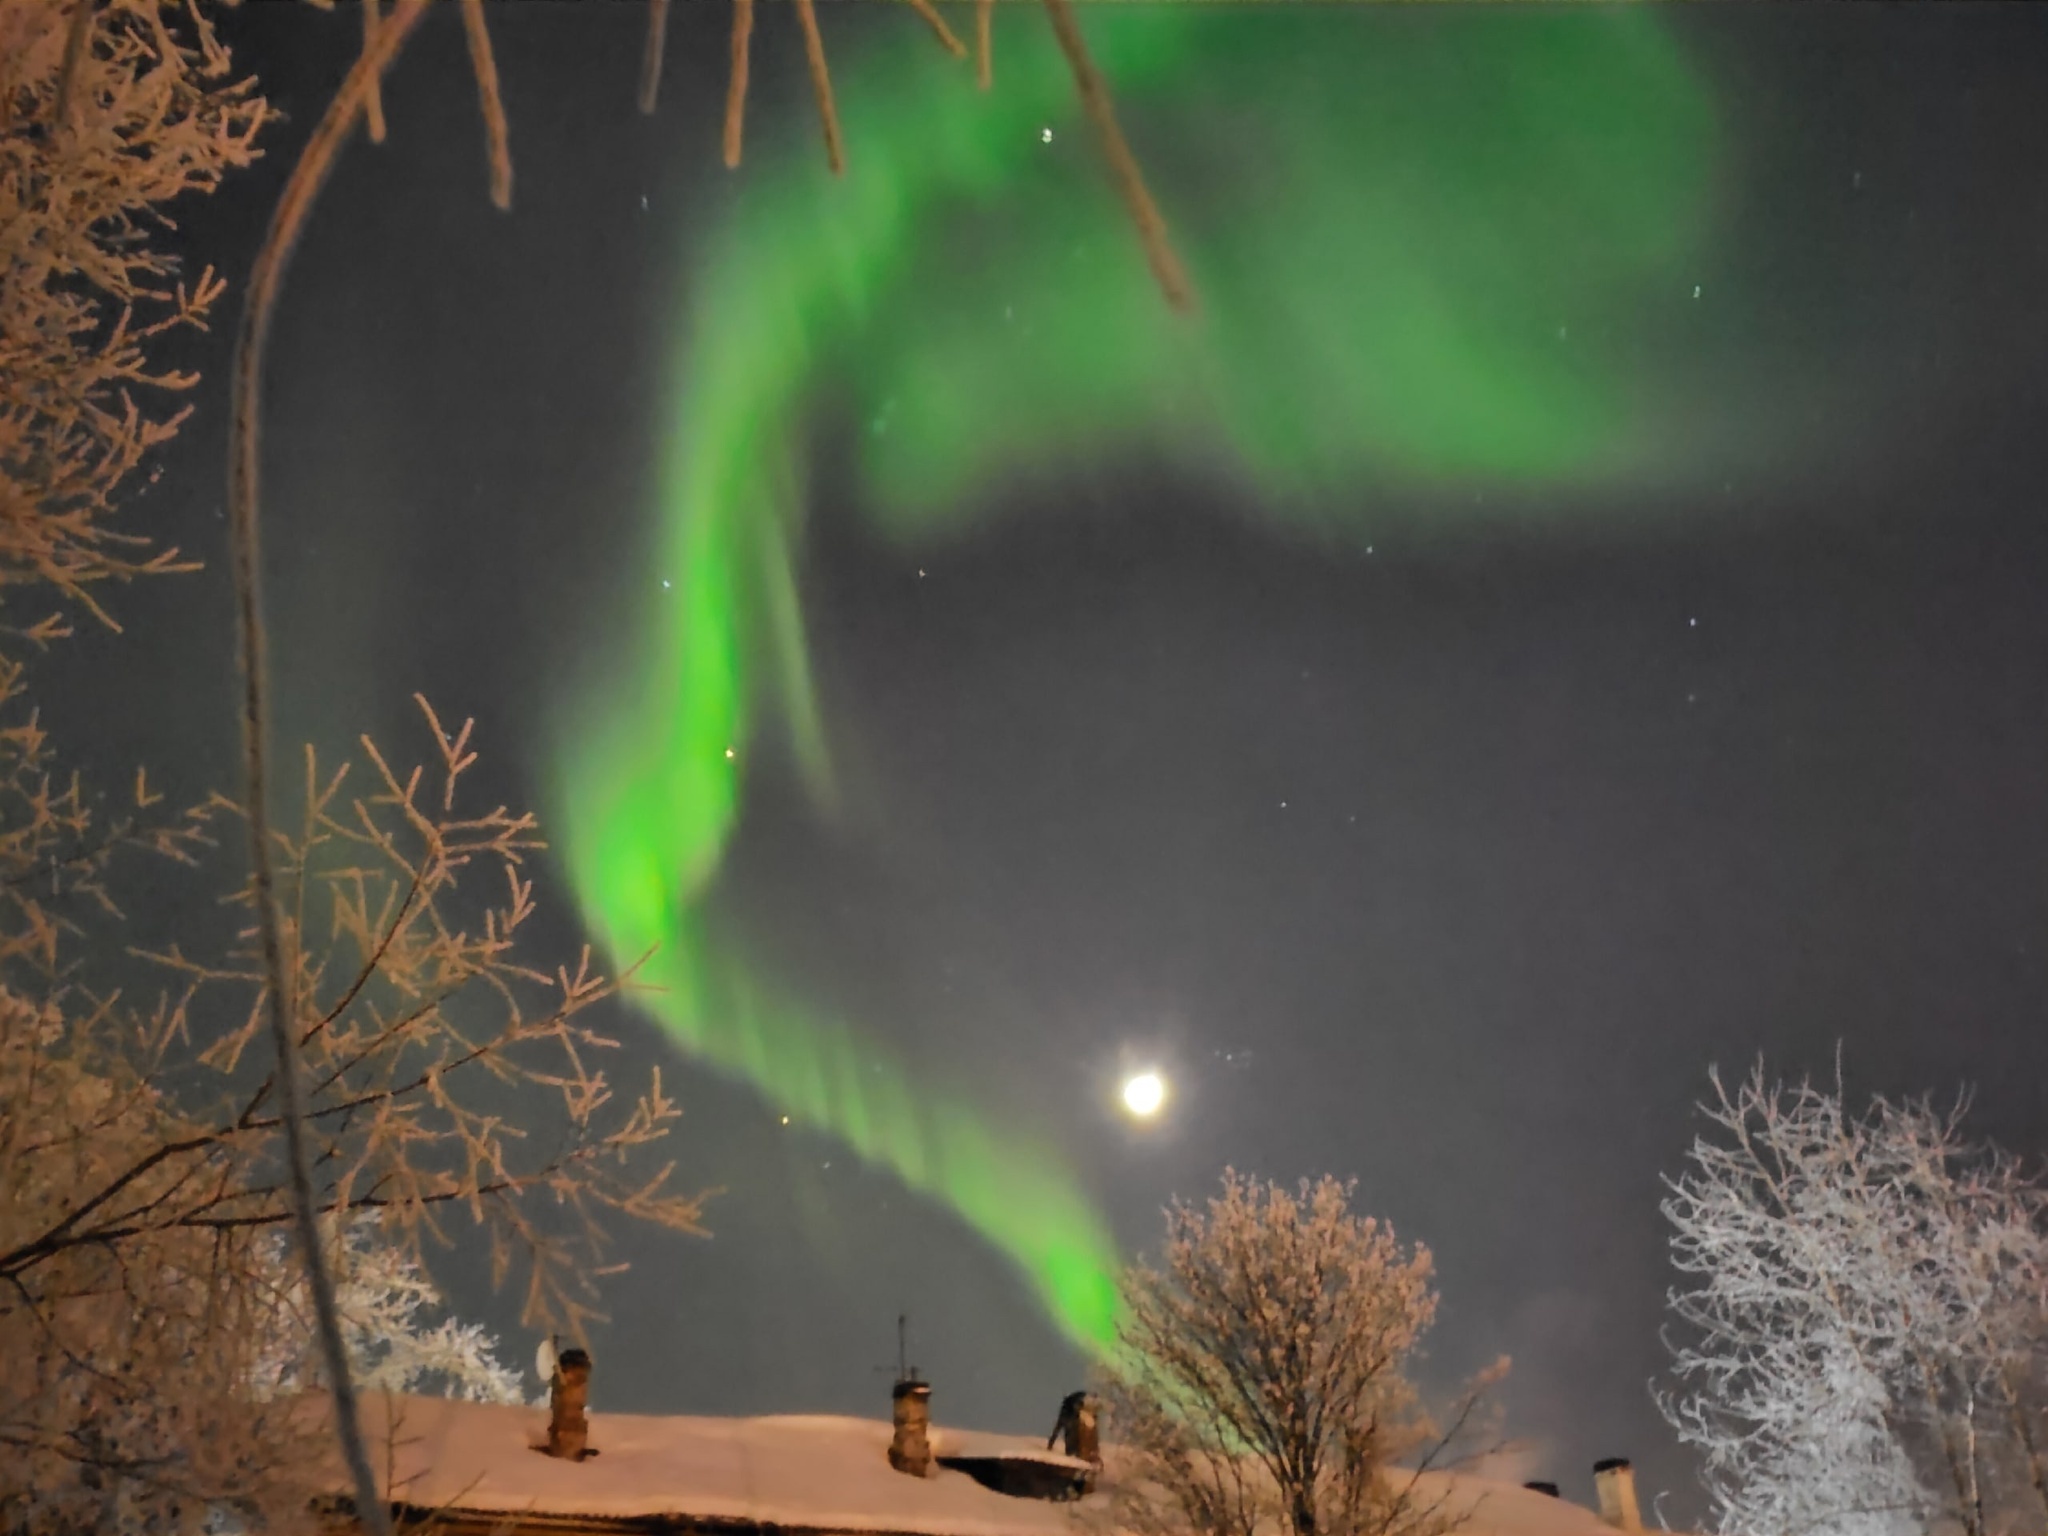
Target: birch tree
x=1261, y=1383
x=1859, y=1349
x=401, y=1336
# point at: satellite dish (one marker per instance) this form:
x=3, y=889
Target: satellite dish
x=545, y=1360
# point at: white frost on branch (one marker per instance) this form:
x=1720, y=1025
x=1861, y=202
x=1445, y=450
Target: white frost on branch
x=393, y=1321
x=1860, y=1349
x=1261, y=1384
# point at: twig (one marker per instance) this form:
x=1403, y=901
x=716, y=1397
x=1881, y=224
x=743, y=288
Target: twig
x=77, y=40
x=373, y=103
x=245, y=560
x=940, y=30
x=736, y=79
x=821, y=84
x=984, y=43
x=1123, y=165
x=497, y=132
x=650, y=62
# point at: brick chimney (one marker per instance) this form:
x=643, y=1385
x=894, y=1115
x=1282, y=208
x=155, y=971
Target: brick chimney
x=1614, y=1481
x=1080, y=1413
x=568, y=1392
x=911, y=1449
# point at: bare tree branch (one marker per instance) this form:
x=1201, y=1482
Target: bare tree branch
x=821, y=84
x=1123, y=165
x=497, y=131
x=265, y=279
x=736, y=79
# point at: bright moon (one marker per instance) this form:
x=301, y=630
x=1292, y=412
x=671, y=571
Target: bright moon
x=1144, y=1094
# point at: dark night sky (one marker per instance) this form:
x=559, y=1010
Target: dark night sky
x=1451, y=868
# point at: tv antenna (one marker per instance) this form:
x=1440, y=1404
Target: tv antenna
x=905, y=1371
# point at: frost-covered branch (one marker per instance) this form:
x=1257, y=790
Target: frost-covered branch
x=1859, y=1349
x=395, y=1322
x=109, y=111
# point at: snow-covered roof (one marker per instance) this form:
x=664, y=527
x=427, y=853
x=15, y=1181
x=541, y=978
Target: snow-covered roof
x=796, y=1472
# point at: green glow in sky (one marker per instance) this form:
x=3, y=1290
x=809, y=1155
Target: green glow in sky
x=1422, y=239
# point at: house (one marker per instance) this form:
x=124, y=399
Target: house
x=487, y=1469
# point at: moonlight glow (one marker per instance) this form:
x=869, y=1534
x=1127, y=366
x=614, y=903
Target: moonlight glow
x=1145, y=1094
x=1387, y=256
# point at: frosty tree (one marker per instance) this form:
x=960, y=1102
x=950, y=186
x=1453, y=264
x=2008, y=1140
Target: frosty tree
x=1261, y=1381
x=107, y=115
x=400, y=1338
x=421, y=1064
x=1861, y=1350
x=447, y=1071
x=140, y=1203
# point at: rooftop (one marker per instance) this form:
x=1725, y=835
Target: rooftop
x=796, y=1473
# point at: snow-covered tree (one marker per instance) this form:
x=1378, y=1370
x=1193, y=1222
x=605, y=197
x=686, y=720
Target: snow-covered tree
x=1261, y=1381
x=139, y=1190
x=393, y=1320
x=109, y=112
x=124, y=1404
x=1861, y=1341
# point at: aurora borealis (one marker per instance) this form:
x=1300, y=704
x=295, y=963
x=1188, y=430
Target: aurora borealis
x=1392, y=261
x=1652, y=676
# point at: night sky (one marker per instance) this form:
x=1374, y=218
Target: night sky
x=1445, y=851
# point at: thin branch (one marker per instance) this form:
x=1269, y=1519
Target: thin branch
x=373, y=102
x=984, y=43
x=1123, y=165
x=940, y=30
x=650, y=61
x=370, y=966
x=821, y=84
x=265, y=279
x=77, y=44
x=736, y=79
x=497, y=132
x=21, y=1257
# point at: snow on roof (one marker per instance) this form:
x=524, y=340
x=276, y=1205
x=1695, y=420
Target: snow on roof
x=803, y=1472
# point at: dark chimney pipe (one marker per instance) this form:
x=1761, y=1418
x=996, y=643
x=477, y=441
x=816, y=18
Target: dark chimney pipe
x=1080, y=1413
x=568, y=1392
x=1079, y=1428
x=911, y=1449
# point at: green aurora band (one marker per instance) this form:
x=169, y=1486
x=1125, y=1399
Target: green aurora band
x=1385, y=214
